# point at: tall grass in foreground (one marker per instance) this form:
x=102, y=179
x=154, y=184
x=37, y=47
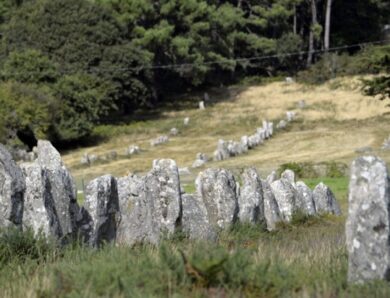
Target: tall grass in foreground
x=306, y=258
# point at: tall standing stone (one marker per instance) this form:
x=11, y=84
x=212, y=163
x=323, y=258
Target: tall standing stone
x=217, y=189
x=304, y=199
x=40, y=212
x=284, y=194
x=61, y=186
x=289, y=175
x=12, y=187
x=271, y=209
x=101, y=202
x=136, y=213
x=195, y=222
x=325, y=201
x=163, y=191
x=367, y=226
x=250, y=201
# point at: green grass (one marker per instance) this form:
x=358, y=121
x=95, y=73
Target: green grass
x=304, y=258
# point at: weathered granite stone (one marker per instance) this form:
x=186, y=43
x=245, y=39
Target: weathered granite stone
x=198, y=163
x=289, y=176
x=368, y=222
x=324, y=200
x=271, y=209
x=163, y=189
x=174, y=131
x=201, y=105
x=159, y=140
x=272, y=177
x=304, y=199
x=133, y=149
x=222, y=151
x=61, y=186
x=85, y=160
x=282, y=124
x=195, y=222
x=101, y=202
x=284, y=194
x=250, y=201
x=186, y=121
x=217, y=190
x=40, y=212
x=290, y=116
x=136, y=213
x=12, y=187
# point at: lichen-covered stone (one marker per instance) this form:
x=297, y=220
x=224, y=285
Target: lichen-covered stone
x=289, y=176
x=217, y=189
x=325, y=201
x=271, y=209
x=250, y=201
x=61, y=187
x=101, y=202
x=195, y=222
x=12, y=187
x=367, y=226
x=304, y=199
x=40, y=212
x=284, y=194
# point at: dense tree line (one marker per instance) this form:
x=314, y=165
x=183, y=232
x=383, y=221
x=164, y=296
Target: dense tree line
x=67, y=64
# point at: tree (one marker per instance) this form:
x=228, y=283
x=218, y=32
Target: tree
x=327, y=24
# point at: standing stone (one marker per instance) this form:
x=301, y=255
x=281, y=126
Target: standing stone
x=289, y=176
x=217, y=190
x=101, y=202
x=186, y=121
x=250, y=201
x=284, y=194
x=367, y=226
x=201, y=105
x=195, y=222
x=271, y=209
x=163, y=190
x=40, y=212
x=174, y=131
x=304, y=199
x=272, y=177
x=61, y=186
x=325, y=201
x=245, y=143
x=282, y=124
x=136, y=213
x=12, y=187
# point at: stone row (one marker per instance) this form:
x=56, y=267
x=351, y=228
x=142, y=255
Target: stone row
x=129, y=210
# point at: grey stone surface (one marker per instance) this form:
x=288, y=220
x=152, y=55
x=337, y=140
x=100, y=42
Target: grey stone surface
x=62, y=188
x=285, y=195
x=222, y=152
x=186, y=121
x=201, y=105
x=163, y=189
x=133, y=149
x=174, y=131
x=272, y=177
x=304, y=198
x=12, y=187
x=289, y=176
x=159, y=140
x=367, y=226
x=136, y=213
x=195, y=222
x=101, y=202
x=271, y=209
x=40, y=212
x=250, y=201
x=290, y=116
x=217, y=190
x=325, y=201
x=282, y=124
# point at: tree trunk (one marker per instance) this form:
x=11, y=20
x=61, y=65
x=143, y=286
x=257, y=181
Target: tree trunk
x=311, y=34
x=295, y=20
x=327, y=24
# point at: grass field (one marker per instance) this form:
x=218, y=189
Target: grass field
x=306, y=258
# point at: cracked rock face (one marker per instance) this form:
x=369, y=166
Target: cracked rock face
x=251, y=200
x=101, y=202
x=271, y=209
x=40, y=212
x=62, y=188
x=195, y=222
x=285, y=195
x=304, y=199
x=325, y=201
x=367, y=226
x=12, y=188
x=163, y=191
x=218, y=190
x=289, y=176
x=136, y=218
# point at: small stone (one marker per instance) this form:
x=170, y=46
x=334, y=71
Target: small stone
x=289, y=80
x=201, y=105
x=272, y=177
x=218, y=191
x=282, y=124
x=174, y=131
x=325, y=201
x=133, y=149
x=101, y=202
x=368, y=222
x=290, y=116
x=159, y=140
x=186, y=121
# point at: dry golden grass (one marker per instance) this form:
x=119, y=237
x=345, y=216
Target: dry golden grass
x=338, y=119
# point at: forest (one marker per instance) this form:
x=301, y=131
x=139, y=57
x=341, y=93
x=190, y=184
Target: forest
x=66, y=66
